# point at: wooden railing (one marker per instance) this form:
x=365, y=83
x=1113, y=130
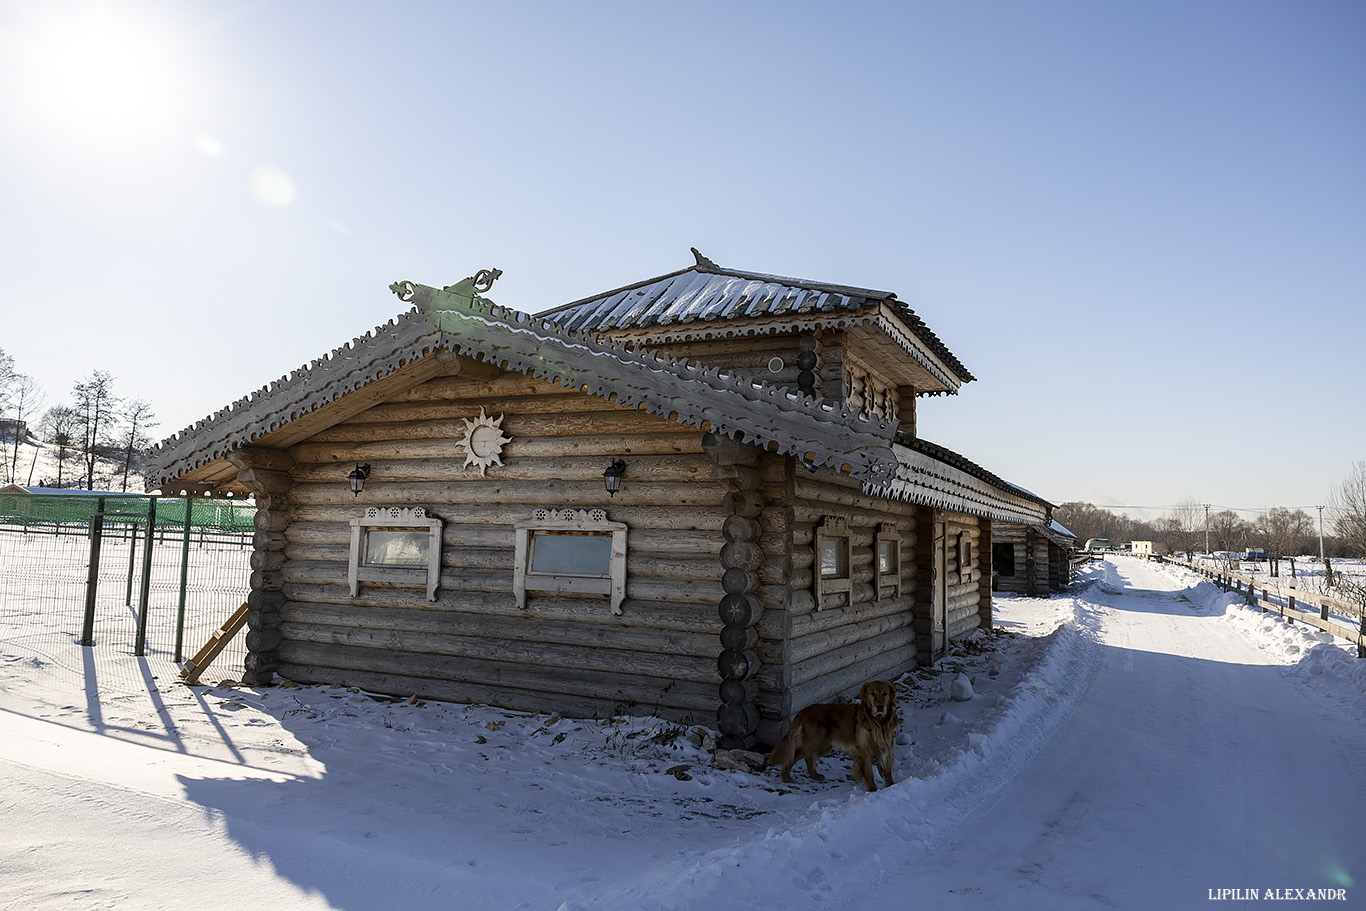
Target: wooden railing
x=1287, y=601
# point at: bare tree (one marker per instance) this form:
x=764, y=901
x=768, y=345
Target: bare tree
x=1283, y=530
x=25, y=397
x=1227, y=530
x=1347, y=506
x=59, y=427
x=1185, y=526
x=139, y=417
x=95, y=403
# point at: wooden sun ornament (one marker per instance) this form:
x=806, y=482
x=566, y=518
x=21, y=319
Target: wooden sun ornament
x=484, y=441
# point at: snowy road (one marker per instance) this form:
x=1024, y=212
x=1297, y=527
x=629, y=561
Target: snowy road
x=1191, y=763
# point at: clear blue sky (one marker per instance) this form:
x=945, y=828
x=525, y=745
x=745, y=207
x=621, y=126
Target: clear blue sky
x=1141, y=225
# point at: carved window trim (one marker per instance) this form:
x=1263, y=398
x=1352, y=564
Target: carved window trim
x=832, y=533
x=390, y=519
x=565, y=522
x=887, y=544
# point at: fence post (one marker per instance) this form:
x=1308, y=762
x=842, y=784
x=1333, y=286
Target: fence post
x=132, y=563
x=92, y=579
x=184, y=580
x=144, y=596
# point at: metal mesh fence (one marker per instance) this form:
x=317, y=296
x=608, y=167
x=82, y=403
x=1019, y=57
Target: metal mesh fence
x=80, y=565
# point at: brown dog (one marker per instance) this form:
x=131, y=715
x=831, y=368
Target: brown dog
x=866, y=731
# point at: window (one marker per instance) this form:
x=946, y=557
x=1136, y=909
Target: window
x=395, y=544
x=574, y=553
x=571, y=551
x=832, y=561
x=888, y=560
x=964, y=557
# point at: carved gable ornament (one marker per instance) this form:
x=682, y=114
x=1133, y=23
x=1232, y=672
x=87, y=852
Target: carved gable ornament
x=484, y=441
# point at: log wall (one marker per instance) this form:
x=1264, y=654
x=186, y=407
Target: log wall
x=812, y=653
x=562, y=652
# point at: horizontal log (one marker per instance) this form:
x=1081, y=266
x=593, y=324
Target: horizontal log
x=526, y=495
x=701, y=518
x=493, y=683
x=670, y=467
x=964, y=627
x=403, y=646
x=812, y=646
x=698, y=639
x=846, y=681
x=622, y=421
x=673, y=616
x=410, y=410
x=507, y=384
x=853, y=654
x=818, y=622
x=596, y=445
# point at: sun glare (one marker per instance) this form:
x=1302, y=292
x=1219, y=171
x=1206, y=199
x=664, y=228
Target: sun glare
x=101, y=72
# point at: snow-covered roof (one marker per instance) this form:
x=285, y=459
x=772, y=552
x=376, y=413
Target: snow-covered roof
x=456, y=321
x=706, y=299
x=445, y=320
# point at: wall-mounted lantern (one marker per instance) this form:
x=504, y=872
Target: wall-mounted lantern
x=357, y=477
x=612, y=476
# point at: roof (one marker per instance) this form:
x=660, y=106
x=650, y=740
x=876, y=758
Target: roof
x=706, y=299
x=457, y=321
x=451, y=323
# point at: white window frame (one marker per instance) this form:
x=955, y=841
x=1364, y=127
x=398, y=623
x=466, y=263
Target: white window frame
x=887, y=534
x=570, y=521
x=836, y=530
x=395, y=518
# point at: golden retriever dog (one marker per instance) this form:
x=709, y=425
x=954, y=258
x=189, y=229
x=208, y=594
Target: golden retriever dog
x=866, y=731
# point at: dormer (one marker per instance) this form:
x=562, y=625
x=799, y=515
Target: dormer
x=852, y=347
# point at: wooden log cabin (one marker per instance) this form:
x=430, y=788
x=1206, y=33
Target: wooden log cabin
x=778, y=533
x=1033, y=560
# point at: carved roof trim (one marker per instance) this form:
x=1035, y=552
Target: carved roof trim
x=931, y=475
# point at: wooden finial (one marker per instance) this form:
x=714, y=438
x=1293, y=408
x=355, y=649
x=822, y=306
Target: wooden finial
x=704, y=263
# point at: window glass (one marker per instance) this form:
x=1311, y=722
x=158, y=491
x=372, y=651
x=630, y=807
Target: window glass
x=396, y=548
x=834, y=558
x=886, y=557
x=572, y=554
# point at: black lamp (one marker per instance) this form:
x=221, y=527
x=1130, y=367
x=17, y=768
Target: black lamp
x=357, y=478
x=612, y=476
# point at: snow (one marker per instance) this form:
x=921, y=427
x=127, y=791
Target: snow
x=1142, y=741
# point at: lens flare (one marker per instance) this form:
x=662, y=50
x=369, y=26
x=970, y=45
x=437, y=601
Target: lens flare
x=272, y=185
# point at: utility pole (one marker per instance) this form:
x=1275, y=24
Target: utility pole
x=1206, y=529
x=1320, y=509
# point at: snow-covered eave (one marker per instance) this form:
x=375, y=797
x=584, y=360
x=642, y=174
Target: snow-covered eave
x=925, y=480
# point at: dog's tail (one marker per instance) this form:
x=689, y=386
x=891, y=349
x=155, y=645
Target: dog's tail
x=784, y=755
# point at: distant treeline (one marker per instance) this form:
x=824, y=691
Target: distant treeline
x=99, y=439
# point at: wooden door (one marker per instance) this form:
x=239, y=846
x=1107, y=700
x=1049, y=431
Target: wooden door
x=939, y=601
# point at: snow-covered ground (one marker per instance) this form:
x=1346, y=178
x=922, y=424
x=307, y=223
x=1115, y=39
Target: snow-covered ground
x=1145, y=741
